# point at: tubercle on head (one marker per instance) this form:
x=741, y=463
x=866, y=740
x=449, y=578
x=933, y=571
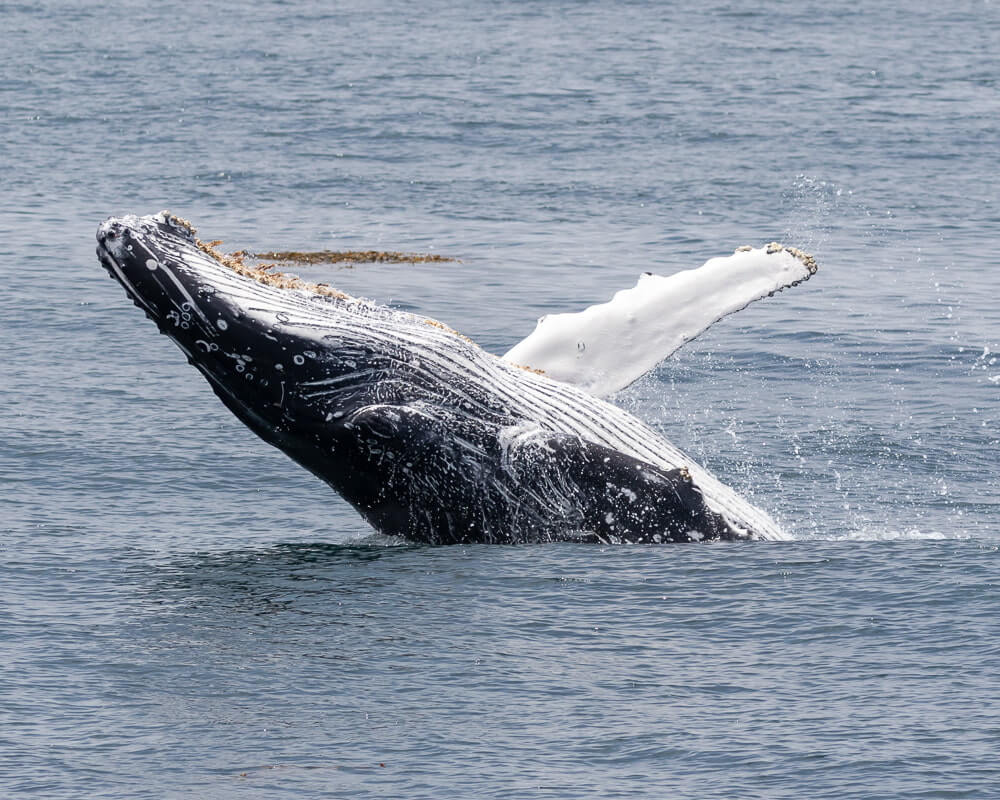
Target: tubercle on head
x=178, y=222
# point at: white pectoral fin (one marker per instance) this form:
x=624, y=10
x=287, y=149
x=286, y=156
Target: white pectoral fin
x=606, y=347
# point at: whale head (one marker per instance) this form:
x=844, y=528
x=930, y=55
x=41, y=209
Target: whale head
x=178, y=281
x=247, y=331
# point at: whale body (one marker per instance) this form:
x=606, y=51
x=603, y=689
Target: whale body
x=423, y=432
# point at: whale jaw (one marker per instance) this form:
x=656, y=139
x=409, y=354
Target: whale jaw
x=212, y=314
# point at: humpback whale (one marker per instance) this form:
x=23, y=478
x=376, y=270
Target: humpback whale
x=424, y=433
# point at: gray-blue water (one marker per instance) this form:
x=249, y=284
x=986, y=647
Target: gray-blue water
x=186, y=613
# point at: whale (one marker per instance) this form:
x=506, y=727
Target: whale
x=427, y=435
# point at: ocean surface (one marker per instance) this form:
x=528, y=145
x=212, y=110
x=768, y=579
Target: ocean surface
x=184, y=612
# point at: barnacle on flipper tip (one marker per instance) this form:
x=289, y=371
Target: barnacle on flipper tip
x=807, y=260
x=776, y=247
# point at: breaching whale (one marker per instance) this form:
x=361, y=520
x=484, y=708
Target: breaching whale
x=427, y=435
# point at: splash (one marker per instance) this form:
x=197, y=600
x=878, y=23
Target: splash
x=817, y=211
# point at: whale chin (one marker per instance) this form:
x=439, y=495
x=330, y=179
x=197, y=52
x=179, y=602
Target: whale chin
x=428, y=436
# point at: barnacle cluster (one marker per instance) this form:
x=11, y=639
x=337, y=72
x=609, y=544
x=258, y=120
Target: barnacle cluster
x=776, y=247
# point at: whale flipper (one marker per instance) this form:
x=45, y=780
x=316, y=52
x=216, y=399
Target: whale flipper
x=606, y=347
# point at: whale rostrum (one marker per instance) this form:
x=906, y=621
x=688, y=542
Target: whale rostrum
x=426, y=434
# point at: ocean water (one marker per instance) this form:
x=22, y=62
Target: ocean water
x=184, y=612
